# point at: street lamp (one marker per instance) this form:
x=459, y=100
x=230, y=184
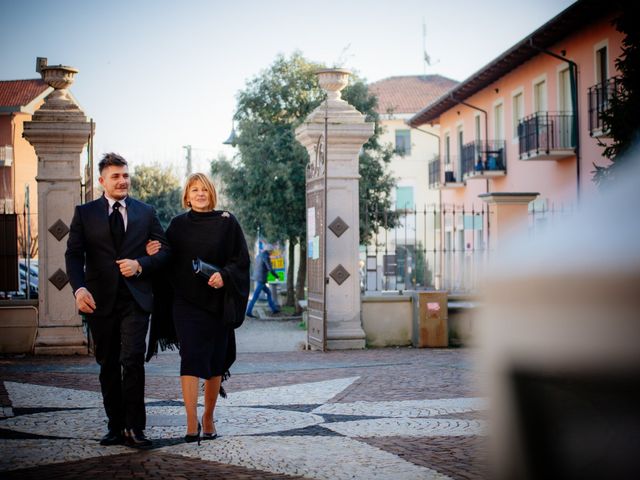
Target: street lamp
x=233, y=136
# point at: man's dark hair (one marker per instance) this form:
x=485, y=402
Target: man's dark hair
x=111, y=159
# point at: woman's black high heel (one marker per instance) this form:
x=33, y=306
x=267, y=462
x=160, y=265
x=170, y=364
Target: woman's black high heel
x=189, y=438
x=209, y=436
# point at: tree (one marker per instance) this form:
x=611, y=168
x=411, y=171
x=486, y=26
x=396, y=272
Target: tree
x=266, y=180
x=160, y=188
x=621, y=119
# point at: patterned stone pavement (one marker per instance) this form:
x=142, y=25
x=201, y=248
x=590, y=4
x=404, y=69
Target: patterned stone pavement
x=372, y=414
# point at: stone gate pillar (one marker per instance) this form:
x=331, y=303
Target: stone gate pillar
x=58, y=131
x=346, y=132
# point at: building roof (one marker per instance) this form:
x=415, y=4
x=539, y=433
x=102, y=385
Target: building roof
x=409, y=93
x=576, y=16
x=16, y=95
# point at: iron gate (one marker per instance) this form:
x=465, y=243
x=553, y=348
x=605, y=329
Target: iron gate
x=316, y=259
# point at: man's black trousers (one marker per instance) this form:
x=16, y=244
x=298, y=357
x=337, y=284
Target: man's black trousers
x=119, y=340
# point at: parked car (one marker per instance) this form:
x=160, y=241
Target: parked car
x=33, y=276
x=33, y=279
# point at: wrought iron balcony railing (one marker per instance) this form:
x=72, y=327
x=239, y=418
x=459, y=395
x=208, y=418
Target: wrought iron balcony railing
x=600, y=96
x=452, y=178
x=484, y=158
x=547, y=136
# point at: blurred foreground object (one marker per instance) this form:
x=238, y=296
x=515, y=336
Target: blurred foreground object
x=561, y=346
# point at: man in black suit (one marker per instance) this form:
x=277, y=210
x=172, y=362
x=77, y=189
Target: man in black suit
x=110, y=274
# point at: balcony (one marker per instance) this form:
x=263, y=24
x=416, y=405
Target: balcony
x=452, y=176
x=451, y=180
x=484, y=159
x=6, y=155
x=547, y=136
x=600, y=96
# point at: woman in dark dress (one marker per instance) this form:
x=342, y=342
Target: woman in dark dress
x=206, y=312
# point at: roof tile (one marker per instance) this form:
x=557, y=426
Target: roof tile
x=18, y=93
x=409, y=93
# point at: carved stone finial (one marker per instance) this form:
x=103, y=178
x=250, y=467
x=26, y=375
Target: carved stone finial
x=333, y=81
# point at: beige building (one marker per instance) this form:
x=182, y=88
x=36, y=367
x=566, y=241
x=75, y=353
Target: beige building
x=399, y=99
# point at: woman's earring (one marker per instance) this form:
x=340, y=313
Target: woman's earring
x=188, y=204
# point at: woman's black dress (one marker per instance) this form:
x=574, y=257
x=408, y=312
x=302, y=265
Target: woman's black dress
x=205, y=317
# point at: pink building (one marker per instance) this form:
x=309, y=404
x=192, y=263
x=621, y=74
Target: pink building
x=19, y=99
x=528, y=121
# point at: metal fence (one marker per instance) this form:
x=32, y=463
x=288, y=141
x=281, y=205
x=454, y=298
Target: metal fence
x=18, y=254
x=442, y=248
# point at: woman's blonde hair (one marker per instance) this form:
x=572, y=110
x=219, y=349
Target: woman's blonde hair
x=204, y=180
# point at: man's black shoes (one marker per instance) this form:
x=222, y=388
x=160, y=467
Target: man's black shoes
x=113, y=437
x=136, y=439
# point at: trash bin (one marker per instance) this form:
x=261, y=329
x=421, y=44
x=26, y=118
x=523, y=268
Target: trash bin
x=430, y=326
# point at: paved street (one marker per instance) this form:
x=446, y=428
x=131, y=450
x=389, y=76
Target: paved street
x=380, y=413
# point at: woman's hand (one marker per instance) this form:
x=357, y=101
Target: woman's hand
x=216, y=280
x=153, y=247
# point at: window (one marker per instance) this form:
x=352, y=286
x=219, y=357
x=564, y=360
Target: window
x=460, y=135
x=564, y=91
x=403, y=142
x=601, y=65
x=477, y=128
x=5, y=184
x=498, y=118
x=447, y=149
x=518, y=112
x=404, y=198
x=540, y=96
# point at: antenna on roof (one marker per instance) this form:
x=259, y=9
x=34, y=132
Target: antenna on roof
x=425, y=56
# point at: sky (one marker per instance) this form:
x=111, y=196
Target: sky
x=156, y=75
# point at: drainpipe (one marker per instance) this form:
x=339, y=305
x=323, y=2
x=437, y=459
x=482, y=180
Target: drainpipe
x=573, y=72
x=439, y=274
x=428, y=133
x=14, y=165
x=486, y=117
x=486, y=139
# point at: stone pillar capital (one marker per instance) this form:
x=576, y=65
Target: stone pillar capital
x=509, y=198
x=507, y=214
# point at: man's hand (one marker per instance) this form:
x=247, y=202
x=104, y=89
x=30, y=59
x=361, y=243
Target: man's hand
x=153, y=247
x=216, y=280
x=128, y=268
x=84, y=301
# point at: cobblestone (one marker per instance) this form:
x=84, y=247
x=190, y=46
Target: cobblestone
x=148, y=465
x=387, y=413
x=459, y=457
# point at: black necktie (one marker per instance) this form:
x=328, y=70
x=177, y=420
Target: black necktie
x=116, y=222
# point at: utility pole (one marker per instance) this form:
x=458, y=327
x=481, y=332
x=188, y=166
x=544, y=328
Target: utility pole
x=188, y=149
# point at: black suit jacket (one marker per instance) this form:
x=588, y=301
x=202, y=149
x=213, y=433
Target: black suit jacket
x=91, y=256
